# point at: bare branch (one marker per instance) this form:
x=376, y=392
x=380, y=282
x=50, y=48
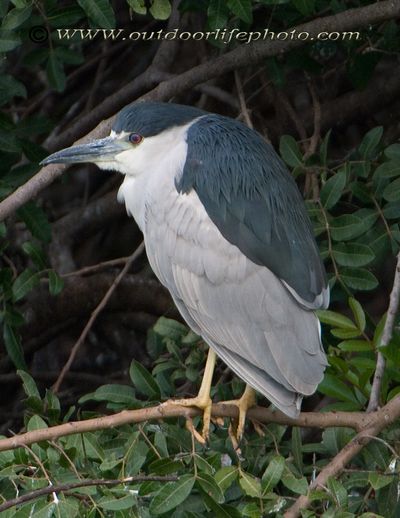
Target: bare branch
x=386, y=337
x=94, y=315
x=380, y=420
x=244, y=55
x=355, y=420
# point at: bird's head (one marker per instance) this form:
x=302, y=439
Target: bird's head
x=142, y=133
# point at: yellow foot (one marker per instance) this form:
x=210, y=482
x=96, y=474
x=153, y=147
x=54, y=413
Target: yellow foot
x=247, y=400
x=205, y=404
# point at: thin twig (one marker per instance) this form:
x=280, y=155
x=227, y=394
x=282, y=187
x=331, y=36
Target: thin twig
x=386, y=337
x=84, y=483
x=94, y=315
x=315, y=138
x=96, y=267
x=242, y=100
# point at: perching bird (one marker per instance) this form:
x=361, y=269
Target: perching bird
x=226, y=231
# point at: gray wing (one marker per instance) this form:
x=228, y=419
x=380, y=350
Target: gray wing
x=253, y=200
x=241, y=309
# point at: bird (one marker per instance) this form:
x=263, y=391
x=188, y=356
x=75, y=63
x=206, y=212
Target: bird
x=227, y=233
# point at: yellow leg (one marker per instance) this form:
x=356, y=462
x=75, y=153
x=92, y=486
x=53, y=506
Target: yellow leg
x=203, y=399
x=247, y=400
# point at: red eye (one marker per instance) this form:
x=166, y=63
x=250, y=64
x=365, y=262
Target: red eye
x=135, y=138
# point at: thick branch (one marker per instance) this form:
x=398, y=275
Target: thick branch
x=355, y=420
x=244, y=55
x=378, y=422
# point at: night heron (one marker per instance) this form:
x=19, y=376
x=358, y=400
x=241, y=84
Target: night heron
x=226, y=231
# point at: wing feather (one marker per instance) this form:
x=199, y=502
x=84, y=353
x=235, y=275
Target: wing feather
x=241, y=309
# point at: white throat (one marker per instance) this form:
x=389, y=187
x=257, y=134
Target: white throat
x=150, y=170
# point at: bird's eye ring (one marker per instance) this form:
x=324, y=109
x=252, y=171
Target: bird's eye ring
x=135, y=138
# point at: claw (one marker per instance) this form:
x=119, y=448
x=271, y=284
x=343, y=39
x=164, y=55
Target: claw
x=202, y=400
x=247, y=400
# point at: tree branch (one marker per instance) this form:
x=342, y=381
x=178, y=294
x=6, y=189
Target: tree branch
x=48, y=490
x=244, y=55
x=386, y=337
x=102, y=304
x=379, y=421
x=356, y=420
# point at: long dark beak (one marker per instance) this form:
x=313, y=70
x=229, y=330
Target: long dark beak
x=102, y=150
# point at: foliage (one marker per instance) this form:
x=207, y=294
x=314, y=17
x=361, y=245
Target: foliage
x=262, y=478
x=353, y=199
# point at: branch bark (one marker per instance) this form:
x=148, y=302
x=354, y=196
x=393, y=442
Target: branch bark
x=378, y=422
x=386, y=337
x=356, y=420
x=244, y=55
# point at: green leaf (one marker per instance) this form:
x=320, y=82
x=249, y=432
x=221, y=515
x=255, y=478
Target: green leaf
x=36, y=423
x=112, y=503
x=346, y=226
x=388, y=169
x=99, y=12
x=359, y=279
x=55, y=72
x=143, y=380
x=370, y=142
x=24, y=283
x=297, y=485
x=358, y=313
x=290, y=151
x=273, y=473
x=171, y=495
x=242, y=9
x=332, y=189
x=339, y=492
x=335, y=319
x=36, y=221
x=305, y=7
x=334, y=387
x=392, y=210
x=161, y=9
x=113, y=393
x=346, y=333
x=13, y=347
x=352, y=254
x=296, y=448
x=9, y=40
x=393, y=152
x=35, y=253
x=378, y=481
x=323, y=153
x=210, y=486
x=250, y=485
x=355, y=346
x=15, y=18
x=169, y=328
x=217, y=14
x=226, y=476
x=29, y=384
x=392, y=191
x=138, y=6
x=10, y=88
x=56, y=283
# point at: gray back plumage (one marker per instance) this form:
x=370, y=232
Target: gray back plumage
x=253, y=200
